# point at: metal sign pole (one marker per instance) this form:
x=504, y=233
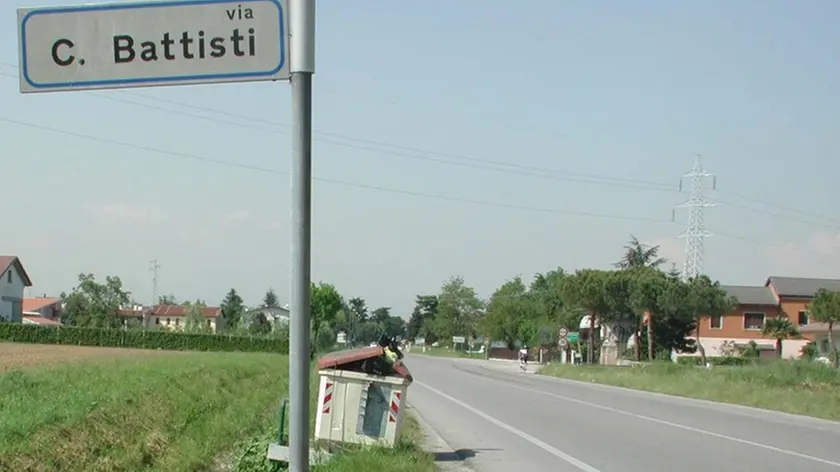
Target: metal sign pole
x=302, y=58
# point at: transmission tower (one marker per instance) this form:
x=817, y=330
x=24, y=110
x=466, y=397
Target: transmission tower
x=695, y=232
x=153, y=268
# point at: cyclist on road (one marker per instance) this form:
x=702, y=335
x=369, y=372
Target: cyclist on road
x=523, y=357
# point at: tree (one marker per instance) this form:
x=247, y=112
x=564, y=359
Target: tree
x=507, y=311
x=675, y=321
x=195, y=321
x=458, y=310
x=422, y=318
x=367, y=332
x=167, y=300
x=547, y=292
x=585, y=289
x=617, y=285
x=645, y=290
x=380, y=315
x=825, y=308
x=232, y=309
x=95, y=305
x=325, y=303
x=780, y=328
x=270, y=299
x=707, y=298
x=259, y=324
x=358, y=309
x=638, y=255
x=394, y=327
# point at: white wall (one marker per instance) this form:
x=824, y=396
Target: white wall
x=790, y=347
x=10, y=291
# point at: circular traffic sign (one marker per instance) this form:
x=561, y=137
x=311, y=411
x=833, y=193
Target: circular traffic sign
x=563, y=332
x=562, y=342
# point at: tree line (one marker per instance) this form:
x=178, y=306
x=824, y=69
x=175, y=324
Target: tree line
x=94, y=304
x=638, y=298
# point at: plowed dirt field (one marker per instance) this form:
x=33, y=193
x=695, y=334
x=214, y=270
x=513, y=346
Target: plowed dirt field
x=19, y=356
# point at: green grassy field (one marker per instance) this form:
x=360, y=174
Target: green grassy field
x=793, y=387
x=154, y=411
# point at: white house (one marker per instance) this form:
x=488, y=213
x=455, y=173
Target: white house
x=273, y=314
x=13, y=280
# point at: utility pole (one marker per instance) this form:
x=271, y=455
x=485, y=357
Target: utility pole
x=695, y=232
x=302, y=67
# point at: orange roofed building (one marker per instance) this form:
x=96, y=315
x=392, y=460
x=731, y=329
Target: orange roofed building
x=172, y=317
x=779, y=296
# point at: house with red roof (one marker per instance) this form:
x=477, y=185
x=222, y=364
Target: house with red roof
x=45, y=311
x=13, y=281
x=174, y=317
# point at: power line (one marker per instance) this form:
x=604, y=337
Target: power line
x=402, y=151
x=333, y=181
x=518, y=169
x=374, y=187
x=370, y=187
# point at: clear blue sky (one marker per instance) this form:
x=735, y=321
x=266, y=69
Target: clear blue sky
x=617, y=89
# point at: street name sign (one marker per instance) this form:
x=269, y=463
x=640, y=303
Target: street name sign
x=122, y=45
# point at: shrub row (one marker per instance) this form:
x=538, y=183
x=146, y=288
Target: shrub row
x=722, y=360
x=140, y=339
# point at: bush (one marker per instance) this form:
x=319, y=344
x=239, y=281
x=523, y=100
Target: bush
x=722, y=360
x=140, y=339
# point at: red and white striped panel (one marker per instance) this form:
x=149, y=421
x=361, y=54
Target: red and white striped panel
x=395, y=407
x=328, y=393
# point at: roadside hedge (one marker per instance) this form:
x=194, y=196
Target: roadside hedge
x=720, y=360
x=138, y=339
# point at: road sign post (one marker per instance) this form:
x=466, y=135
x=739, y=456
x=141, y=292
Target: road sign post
x=180, y=42
x=121, y=45
x=302, y=30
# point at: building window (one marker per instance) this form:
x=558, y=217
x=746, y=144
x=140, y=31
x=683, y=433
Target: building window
x=716, y=322
x=754, y=321
x=803, y=318
x=208, y=323
x=177, y=321
x=825, y=347
x=9, y=276
x=157, y=321
x=168, y=321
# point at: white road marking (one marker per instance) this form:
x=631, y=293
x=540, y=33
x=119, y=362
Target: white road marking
x=551, y=450
x=668, y=423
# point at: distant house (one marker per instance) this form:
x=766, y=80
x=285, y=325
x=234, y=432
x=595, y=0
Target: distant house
x=13, y=280
x=779, y=296
x=134, y=316
x=272, y=314
x=175, y=317
x=42, y=311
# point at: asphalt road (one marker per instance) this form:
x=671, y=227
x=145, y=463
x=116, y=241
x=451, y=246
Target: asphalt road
x=500, y=419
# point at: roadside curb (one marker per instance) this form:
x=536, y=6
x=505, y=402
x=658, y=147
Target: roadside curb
x=434, y=443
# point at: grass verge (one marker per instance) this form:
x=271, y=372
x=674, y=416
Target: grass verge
x=165, y=412
x=406, y=456
x=443, y=352
x=790, y=386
